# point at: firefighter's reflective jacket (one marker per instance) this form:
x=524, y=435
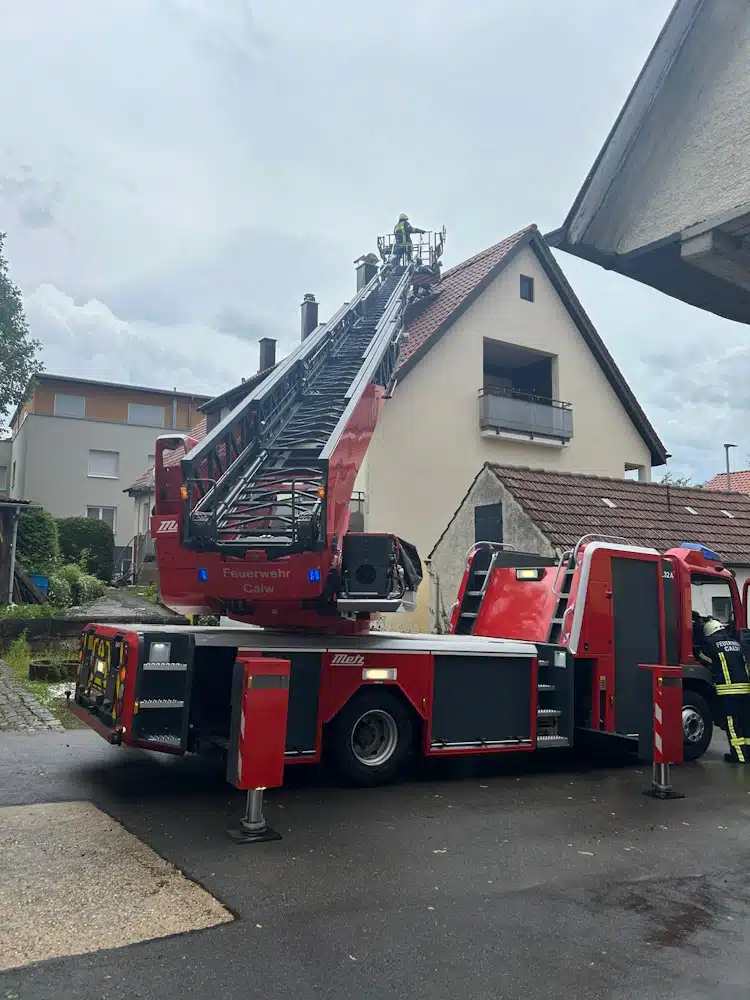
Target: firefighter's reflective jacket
x=726, y=659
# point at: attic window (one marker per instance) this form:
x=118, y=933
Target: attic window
x=726, y=513
x=691, y=510
x=527, y=288
x=609, y=503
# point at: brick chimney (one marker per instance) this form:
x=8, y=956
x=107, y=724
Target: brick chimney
x=309, y=315
x=267, y=353
x=367, y=268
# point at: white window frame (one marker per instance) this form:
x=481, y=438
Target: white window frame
x=100, y=508
x=68, y=396
x=3, y=478
x=99, y=475
x=147, y=422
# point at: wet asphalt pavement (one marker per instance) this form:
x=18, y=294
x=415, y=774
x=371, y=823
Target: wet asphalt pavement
x=515, y=880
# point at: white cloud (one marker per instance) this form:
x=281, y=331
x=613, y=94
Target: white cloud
x=89, y=341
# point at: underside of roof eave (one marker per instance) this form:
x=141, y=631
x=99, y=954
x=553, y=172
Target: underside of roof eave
x=618, y=144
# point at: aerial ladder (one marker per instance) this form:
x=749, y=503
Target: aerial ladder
x=252, y=520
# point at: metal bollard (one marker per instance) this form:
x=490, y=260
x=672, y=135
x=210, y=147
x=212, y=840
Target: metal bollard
x=253, y=828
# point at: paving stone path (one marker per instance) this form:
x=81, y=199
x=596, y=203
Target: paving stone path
x=19, y=709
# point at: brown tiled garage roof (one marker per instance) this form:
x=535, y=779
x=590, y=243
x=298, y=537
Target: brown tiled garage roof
x=567, y=506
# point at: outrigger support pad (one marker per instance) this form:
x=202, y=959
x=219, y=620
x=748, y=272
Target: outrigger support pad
x=253, y=828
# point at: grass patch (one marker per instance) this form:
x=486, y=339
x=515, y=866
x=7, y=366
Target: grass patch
x=150, y=593
x=18, y=656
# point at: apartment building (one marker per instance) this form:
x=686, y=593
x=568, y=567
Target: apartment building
x=77, y=443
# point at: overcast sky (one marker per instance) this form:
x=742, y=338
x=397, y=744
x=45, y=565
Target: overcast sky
x=175, y=174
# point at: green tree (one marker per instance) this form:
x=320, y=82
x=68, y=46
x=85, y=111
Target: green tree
x=18, y=349
x=670, y=479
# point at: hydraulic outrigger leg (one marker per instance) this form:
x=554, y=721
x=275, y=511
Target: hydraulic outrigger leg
x=253, y=827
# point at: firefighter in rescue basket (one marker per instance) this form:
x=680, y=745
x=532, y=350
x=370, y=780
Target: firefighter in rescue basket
x=715, y=645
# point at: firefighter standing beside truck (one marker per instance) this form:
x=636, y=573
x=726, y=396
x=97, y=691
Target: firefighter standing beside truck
x=715, y=645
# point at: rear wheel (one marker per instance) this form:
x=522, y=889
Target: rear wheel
x=370, y=738
x=697, y=725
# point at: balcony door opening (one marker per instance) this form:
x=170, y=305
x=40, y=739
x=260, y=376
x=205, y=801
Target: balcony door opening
x=518, y=395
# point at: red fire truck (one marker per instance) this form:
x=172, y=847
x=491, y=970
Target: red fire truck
x=251, y=522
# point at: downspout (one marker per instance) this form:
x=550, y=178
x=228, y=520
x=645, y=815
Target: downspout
x=16, y=519
x=174, y=410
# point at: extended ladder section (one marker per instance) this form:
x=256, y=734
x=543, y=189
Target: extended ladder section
x=260, y=479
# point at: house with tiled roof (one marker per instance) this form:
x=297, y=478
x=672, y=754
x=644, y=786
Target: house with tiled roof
x=501, y=365
x=739, y=481
x=535, y=510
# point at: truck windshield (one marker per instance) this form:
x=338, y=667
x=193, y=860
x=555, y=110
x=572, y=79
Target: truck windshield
x=712, y=597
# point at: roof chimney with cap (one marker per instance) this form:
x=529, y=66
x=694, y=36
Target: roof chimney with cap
x=267, y=353
x=367, y=268
x=309, y=315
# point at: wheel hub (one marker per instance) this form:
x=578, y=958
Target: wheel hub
x=374, y=738
x=693, y=726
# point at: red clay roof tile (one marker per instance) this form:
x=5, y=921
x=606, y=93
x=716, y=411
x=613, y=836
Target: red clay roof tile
x=739, y=481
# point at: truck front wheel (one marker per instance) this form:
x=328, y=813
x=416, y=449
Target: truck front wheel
x=370, y=738
x=697, y=725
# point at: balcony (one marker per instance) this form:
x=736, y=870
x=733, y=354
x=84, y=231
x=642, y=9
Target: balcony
x=508, y=413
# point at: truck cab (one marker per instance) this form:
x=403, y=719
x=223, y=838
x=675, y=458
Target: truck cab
x=614, y=605
x=696, y=580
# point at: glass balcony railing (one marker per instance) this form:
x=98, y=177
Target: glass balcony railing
x=512, y=412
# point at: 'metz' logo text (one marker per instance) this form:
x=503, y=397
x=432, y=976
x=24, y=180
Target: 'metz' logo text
x=348, y=660
x=166, y=526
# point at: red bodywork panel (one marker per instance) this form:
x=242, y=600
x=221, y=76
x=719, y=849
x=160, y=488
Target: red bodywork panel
x=517, y=609
x=261, y=736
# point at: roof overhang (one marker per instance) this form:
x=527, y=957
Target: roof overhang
x=706, y=265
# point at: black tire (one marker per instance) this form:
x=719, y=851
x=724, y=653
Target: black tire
x=375, y=723
x=697, y=725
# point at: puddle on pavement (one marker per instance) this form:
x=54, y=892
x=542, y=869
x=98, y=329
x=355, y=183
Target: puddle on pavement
x=676, y=910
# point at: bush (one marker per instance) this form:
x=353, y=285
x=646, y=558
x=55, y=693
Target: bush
x=91, y=588
x=82, y=586
x=10, y=612
x=88, y=540
x=60, y=591
x=18, y=654
x=38, y=543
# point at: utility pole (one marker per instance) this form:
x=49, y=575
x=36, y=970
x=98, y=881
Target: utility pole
x=729, y=475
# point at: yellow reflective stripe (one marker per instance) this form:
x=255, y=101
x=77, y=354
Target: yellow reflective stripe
x=725, y=668
x=733, y=688
x=735, y=740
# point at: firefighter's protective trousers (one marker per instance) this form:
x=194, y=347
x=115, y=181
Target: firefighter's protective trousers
x=732, y=680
